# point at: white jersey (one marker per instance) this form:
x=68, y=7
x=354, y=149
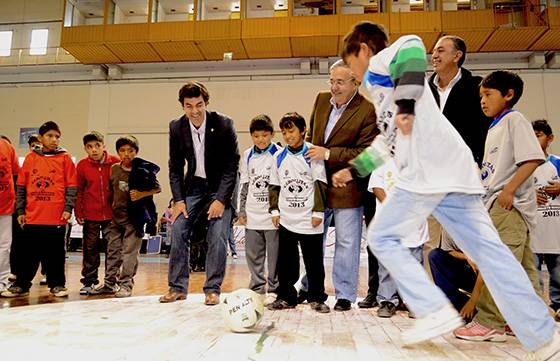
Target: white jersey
x=545, y=238
x=296, y=175
x=434, y=158
x=385, y=178
x=255, y=170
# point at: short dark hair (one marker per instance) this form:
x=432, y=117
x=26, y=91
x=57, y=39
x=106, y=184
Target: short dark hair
x=261, y=122
x=47, y=126
x=93, y=136
x=374, y=35
x=33, y=138
x=289, y=120
x=504, y=80
x=459, y=45
x=193, y=89
x=128, y=140
x=6, y=138
x=541, y=125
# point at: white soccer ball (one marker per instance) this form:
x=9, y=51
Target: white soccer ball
x=242, y=309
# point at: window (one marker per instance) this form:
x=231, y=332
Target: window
x=39, y=38
x=5, y=43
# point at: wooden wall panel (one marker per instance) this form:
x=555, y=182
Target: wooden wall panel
x=553, y=16
x=513, y=39
x=93, y=54
x=82, y=34
x=324, y=25
x=172, y=31
x=268, y=47
x=215, y=49
x=134, y=52
x=347, y=21
x=126, y=32
x=177, y=50
x=473, y=39
x=314, y=46
x=265, y=28
x=217, y=29
x=463, y=20
x=549, y=41
x=415, y=22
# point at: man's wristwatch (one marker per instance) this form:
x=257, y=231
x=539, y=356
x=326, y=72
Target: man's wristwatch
x=327, y=154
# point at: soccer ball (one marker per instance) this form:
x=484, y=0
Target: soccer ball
x=242, y=309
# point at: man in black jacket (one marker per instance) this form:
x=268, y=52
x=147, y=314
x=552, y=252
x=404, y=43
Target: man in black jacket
x=456, y=92
x=207, y=142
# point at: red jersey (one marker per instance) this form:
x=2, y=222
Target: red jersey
x=93, y=202
x=46, y=178
x=9, y=167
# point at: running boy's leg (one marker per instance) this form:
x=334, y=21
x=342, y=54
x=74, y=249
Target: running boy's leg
x=468, y=222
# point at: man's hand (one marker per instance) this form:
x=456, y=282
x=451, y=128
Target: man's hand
x=340, y=178
x=242, y=220
x=216, y=210
x=316, y=153
x=553, y=188
x=405, y=122
x=80, y=221
x=276, y=221
x=178, y=208
x=65, y=216
x=542, y=199
x=316, y=221
x=21, y=220
x=505, y=199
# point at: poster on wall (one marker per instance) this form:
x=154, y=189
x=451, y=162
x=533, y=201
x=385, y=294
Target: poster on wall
x=24, y=134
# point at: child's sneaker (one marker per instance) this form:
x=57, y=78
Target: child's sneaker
x=432, y=325
x=12, y=277
x=269, y=298
x=103, y=290
x=549, y=352
x=43, y=281
x=474, y=331
x=86, y=289
x=509, y=331
x=14, y=291
x=59, y=291
x=123, y=292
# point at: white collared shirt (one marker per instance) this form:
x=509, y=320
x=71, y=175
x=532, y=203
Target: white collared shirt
x=198, y=136
x=335, y=115
x=444, y=93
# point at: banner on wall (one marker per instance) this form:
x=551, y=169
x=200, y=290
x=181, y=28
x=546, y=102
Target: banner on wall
x=24, y=134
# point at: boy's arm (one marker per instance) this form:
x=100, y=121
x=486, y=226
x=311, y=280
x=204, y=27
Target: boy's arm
x=79, y=207
x=319, y=199
x=21, y=194
x=524, y=171
x=71, y=178
x=408, y=72
x=380, y=194
x=243, y=199
x=273, y=195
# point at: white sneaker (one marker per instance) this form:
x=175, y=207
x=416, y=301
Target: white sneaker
x=269, y=298
x=435, y=324
x=549, y=352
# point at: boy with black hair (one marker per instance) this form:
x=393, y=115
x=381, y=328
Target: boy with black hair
x=46, y=192
x=261, y=236
x=544, y=239
x=124, y=236
x=297, y=196
x=437, y=176
x=93, y=205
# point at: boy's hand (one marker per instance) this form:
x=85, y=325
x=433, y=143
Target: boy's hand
x=316, y=221
x=316, y=153
x=276, y=221
x=178, y=208
x=467, y=312
x=405, y=122
x=216, y=210
x=505, y=199
x=21, y=220
x=242, y=220
x=66, y=216
x=553, y=188
x=542, y=199
x=340, y=178
x=80, y=221
x=136, y=195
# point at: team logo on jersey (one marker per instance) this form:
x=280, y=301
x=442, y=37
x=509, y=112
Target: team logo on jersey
x=487, y=170
x=296, y=186
x=43, y=188
x=261, y=184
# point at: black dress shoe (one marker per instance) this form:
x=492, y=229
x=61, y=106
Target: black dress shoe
x=368, y=302
x=302, y=296
x=386, y=310
x=320, y=307
x=342, y=305
x=279, y=305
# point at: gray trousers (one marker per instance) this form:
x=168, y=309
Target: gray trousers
x=258, y=245
x=122, y=255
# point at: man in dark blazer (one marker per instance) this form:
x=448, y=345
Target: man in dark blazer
x=456, y=92
x=341, y=126
x=207, y=142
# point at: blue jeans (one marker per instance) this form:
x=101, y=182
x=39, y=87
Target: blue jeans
x=217, y=236
x=552, y=262
x=387, y=291
x=468, y=222
x=346, y=262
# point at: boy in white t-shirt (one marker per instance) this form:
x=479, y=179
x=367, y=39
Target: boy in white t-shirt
x=545, y=242
x=261, y=236
x=297, y=197
x=437, y=175
x=381, y=183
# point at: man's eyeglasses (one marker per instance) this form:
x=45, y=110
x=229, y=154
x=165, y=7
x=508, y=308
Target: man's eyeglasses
x=338, y=82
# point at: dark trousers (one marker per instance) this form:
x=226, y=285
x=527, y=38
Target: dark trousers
x=17, y=249
x=43, y=244
x=92, y=246
x=452, y=275
x=373, y=264
x=288, y=265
